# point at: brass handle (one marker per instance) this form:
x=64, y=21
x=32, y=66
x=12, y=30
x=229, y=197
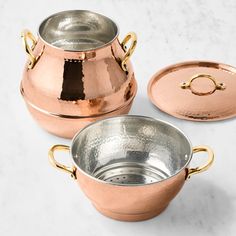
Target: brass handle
x=197, y=170
x=188, y=84
x=130, y=36
x=27, y=35
x=70, y=170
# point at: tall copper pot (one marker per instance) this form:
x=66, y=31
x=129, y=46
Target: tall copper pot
x=77, y=71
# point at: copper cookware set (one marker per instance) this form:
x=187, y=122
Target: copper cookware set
x=79, y=82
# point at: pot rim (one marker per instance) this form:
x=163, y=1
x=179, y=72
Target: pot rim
x=82, y=51
x=133, y=185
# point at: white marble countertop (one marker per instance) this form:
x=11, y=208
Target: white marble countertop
x=36, y=199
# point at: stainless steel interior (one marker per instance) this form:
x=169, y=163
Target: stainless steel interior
x=78, y=30
x=131, y=150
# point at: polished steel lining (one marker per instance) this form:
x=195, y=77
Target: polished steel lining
x=78, y=30
x=131, y=150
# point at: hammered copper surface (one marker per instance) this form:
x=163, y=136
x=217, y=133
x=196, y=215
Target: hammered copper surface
x=137, y=165
x=74, y=77
x=131, y=203
x=210, y=96
x=130, y=167
x=66, y=127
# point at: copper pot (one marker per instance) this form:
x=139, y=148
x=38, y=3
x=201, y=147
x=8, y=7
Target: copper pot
x=130, y=167
x=77, y=71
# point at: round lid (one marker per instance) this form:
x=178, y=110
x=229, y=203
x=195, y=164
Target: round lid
x=197, y=90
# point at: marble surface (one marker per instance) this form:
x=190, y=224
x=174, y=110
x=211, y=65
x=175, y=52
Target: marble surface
x=36, y=199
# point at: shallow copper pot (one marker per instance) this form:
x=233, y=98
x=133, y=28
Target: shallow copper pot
x=77, y=71
x=130, y=167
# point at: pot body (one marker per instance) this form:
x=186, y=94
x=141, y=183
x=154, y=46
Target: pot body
x=133, y=172
x=66, y=126
x=76, y=84
x=131, y=203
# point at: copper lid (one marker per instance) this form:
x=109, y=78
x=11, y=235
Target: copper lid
x=197, y=90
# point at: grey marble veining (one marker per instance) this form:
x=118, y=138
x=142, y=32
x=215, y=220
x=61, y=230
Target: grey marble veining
x=36, y=199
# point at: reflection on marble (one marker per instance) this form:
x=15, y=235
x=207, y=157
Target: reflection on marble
x=35, y=199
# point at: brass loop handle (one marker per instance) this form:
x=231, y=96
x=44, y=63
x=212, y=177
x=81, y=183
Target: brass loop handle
x=27, y=35
x=188, y=85
x=130, y=36
x=59, y=147
x=197, y=170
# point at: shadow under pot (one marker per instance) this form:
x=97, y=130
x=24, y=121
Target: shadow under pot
x=131, y=167
x=77, y=71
